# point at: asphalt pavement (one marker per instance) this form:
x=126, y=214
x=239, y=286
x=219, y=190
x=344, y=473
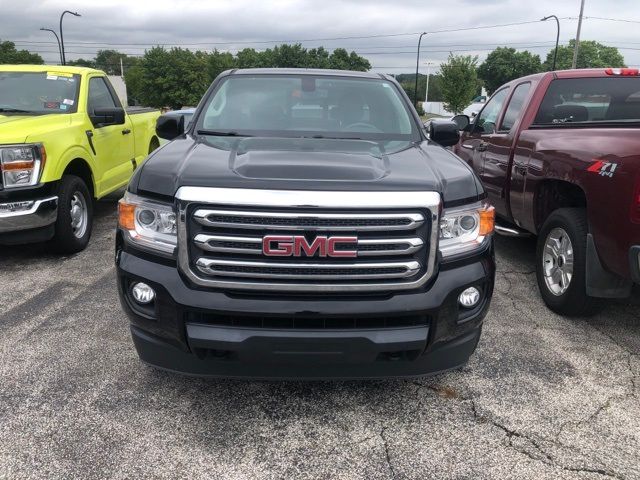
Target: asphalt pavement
x=543, y=397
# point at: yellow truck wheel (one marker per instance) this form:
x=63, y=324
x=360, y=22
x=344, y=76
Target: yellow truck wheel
x=75, y=216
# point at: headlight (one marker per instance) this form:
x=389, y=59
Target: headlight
x=148, y=223
x=21, y=165
x=464, y=229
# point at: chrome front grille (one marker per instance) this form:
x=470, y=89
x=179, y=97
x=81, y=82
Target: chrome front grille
x=252, y=245
x=391, y=244
x=308, y=271
x=308, y=220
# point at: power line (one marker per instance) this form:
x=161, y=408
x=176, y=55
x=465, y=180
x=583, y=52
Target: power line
x=360, y=37
x=613, y=19
x=72, y=44
x=360, y=52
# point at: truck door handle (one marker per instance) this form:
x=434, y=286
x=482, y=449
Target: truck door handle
x=126, y=131
x=482, y=147
x=90, y=139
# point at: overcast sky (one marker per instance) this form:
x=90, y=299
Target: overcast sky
x=133, y=25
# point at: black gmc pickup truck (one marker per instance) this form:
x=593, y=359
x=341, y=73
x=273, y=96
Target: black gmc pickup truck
x=305, y=226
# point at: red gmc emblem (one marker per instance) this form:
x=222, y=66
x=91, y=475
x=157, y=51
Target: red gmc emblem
x=296, y=245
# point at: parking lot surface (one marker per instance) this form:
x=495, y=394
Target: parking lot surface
x=543, y=396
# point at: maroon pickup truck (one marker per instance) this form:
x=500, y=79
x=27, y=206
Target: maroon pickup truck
x=559, y=156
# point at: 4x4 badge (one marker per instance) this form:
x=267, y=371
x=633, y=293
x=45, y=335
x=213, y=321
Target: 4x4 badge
x=606, y=169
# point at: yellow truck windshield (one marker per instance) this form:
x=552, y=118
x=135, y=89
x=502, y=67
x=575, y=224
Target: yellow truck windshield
x=38, y=92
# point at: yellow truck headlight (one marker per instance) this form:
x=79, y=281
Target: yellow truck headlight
x=21, y=165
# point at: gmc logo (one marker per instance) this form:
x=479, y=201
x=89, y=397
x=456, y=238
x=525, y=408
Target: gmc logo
x=296, y=245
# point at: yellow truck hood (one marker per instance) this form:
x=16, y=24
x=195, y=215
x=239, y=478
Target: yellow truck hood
x=20, y=128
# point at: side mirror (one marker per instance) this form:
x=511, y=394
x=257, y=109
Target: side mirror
x=169, y=127
x=444, y=132
x=103, y=117
x=463, y=122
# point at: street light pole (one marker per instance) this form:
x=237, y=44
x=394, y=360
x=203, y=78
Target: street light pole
x=555, y=54
x=577, y=45
x=75, y=14
x=57, y=40
x=415, y=89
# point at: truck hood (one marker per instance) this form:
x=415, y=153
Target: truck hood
x=307, y=164
x=23, y=128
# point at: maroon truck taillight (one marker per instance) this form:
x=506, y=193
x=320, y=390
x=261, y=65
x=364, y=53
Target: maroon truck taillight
x=635, y=205
x=624, y=72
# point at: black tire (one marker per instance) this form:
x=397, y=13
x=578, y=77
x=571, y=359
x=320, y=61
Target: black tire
x=573, y=301
x=67, y=238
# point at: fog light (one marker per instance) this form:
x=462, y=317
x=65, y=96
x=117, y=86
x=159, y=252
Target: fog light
x=470, y=297
x=143, y=293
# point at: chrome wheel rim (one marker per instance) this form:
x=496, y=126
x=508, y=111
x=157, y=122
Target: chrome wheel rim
x=79, y=215
x=557, y=261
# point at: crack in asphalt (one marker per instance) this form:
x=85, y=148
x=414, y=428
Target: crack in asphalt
x=607, y=403
x=546, y=457
x=385, y=443
x=542, y=456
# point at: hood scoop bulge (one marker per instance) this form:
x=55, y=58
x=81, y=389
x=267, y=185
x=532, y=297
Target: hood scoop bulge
x=257, y=160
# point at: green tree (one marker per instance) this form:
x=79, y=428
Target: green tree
x=178, y=77
x=318, y=58
x=218, y=62
x=340, y=59
x=9, y=54
x=590, y=55
x=174, y=78
x=506, y=64
x=459, y=81
x=109, y=61
x=82, y=62
x=435, y=86
x=249, y=58
x=133, y=79
x=287, y=56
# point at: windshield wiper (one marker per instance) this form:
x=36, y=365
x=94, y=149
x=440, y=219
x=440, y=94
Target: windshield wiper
x=218, y=133
x=15, y=110
x=324, y=137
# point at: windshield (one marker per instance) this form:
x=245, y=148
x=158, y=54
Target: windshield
x=590, y=100
x=38, y=92
x=307, y=106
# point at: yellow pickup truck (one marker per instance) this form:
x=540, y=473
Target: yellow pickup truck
x=65, y=140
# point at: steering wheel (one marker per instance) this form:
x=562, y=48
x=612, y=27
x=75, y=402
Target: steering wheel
x=362, y=127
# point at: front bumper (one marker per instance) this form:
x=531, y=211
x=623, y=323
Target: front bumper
x=634, y=263
x=234, y=334
x=19, y=219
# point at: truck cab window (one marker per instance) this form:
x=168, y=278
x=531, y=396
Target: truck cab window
x=515, y=106
x=590, y=100
x=99, y=95
x=486, y=122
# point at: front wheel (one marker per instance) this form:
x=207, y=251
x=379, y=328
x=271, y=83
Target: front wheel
x=75, y=216
x=561, y=263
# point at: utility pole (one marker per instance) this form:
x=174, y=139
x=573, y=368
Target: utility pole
x=415, y=89
x=426, y=93
x=577, y=45
x=121, y=68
